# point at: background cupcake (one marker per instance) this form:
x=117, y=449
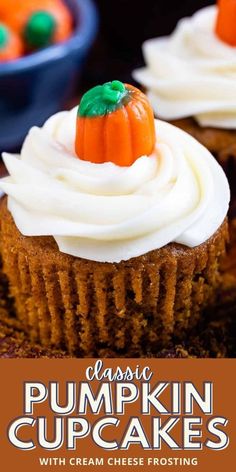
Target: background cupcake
x=115, y=245
x=190, y=78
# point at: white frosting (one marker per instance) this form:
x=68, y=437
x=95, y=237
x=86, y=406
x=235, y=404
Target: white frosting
x=108, y=213
x=192, y=73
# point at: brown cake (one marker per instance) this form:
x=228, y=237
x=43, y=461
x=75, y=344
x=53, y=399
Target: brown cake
x=113, y=229
x=83, y=305
x=213, y=336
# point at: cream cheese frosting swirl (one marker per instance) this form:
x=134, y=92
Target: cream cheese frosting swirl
x=108, y=213
x=192, y=73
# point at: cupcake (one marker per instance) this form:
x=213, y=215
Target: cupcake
x=113, y=227
x=190, y=79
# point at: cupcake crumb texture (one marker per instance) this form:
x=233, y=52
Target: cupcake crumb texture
x=53, y=323
x=213, y=336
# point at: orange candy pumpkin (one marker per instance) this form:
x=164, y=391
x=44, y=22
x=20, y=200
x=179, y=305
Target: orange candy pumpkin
x=115, y=123
x=226, y=21
x=17, y=14
x=11, y=46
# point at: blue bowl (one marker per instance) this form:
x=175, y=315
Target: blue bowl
x=34, y=87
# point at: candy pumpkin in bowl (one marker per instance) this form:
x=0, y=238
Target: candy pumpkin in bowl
x=39, y=23
x=113, y=227
x=11, y=45
x=43, y=78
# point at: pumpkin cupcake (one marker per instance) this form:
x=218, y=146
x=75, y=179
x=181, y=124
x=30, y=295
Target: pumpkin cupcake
x=113, y=227
x=190, y=79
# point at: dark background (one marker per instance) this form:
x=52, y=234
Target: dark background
x=124, y=25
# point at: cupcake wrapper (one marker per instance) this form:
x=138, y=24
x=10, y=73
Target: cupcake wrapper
x=94, y=308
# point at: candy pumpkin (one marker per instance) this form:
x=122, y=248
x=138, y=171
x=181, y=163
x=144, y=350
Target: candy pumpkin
x=11, y=46
x=40, y=22
x=115, y=123
x=226, y=21
x=4, y=7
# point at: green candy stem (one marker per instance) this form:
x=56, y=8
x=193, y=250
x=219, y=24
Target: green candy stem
x=104, y=99
x=4, y=36
x=40, y=29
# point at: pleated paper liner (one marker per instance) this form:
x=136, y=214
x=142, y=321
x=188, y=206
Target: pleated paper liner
x=88, y=307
